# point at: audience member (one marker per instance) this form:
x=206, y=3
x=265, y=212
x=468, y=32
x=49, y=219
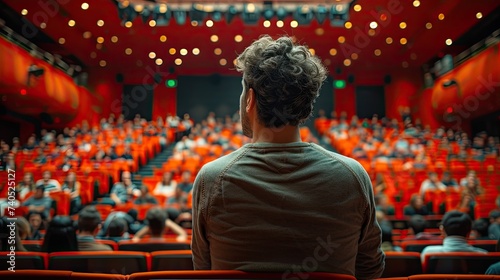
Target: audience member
x=36, y=221
x=117, y=230
x=166, y=187
x=387, y=242
x=416, y=206
x=89, y=224
x=60, y=235
x=73, y=187
x=6, y=244
x=480, y=230
x=431, y=184
x=124, y=191
x=449, y=182
x=26, y=186
x=455, y=227
x=416, y=229
x=48, y=183
x=145, y=197
x=157, y=222
x=382, y=204
x=494, y=269
x=494, y=228
x=39, y=202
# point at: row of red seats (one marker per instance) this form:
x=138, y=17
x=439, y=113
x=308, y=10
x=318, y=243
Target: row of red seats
x=398, y=264
x=199, y=274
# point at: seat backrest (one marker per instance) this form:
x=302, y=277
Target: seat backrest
x=32, y=245
x=235, y=274
x=459, y=262
x=452, y=277
x=398, y=264
x=172, y=260
x=35, y=274
x=97, y=276
x=418, y=245
x=488, y=245
x=100, y=261
x=152, y=245
x=23, y=260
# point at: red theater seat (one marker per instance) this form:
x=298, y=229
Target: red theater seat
x=399, y=264
x=24, y=260
x=36, y=274
x=452, y=277
x=172, y=260
x=234, y=274
x=459, y=262
x=152, y=245
x=100, y=262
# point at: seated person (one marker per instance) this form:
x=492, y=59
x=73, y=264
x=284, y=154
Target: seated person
x=183, y=188
x=26, y=186
x=166, y=187
x=455, y=227
x=480, y=230
x=36, y=222
x=494, y=269
x=387, y=243
x=72, y=186
x=157, y=222
x=49, y=183
x=382, y=204
x=494, y=228
x=416, y=229
x=89, y=224
x=122, y=192
x=145, y=197
x=117, y=230
x=449, y=182
x=431, y=184
x=130, y=217
x=39, y=202
x=416, y=206
x=60, y=235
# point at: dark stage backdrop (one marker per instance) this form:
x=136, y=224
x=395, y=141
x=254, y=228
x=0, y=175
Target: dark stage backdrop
x=370, y=100
x=199, y=95
x=137, y=99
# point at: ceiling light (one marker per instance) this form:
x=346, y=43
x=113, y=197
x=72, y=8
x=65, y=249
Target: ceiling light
x=312, y=51
x=183, y=52
x=479, y=15
x=196, y=51
x=85, y=6
x=441, y=16
x=294, y=24
x=238, y=38
x=280, y=23
x=416, y=3
x=348, y=25
x=152, y=55
x=214, y=38
x=102, y=63
x=333, y=52
x=100, y=40
x=128, y=24
x=152, y=23
x=449, y=42
x=24, y=12
x=217, y=51
x=87, y=34
x=266, y=24
x=428, y=25
x=388, y=40
x=377, y=52
x=222, y=61
x=403, y=41
x=209, y=23
x=128, y=51
x=163, y=38
x=354, y=56
x=357, y=8
x=71, y=23
x=372, y=32
x=341, y=39
x=373, y=24
x=402, y=25
x=62, y=41
x=159, y=61
x=114, y=39
x=347, y=62
x=178, y=61
x=100, y=23
x=43, y=25
x=172, y=51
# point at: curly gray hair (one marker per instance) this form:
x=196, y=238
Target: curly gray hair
x=285, y=77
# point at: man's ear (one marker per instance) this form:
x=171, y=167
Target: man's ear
x=250, y=100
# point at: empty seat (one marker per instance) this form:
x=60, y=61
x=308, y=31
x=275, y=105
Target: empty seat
x=100, y=262
x=234, y=274
x=172, y=260
x=24, y=260
x=152, y=245
x=459, y=262
x=399, y=264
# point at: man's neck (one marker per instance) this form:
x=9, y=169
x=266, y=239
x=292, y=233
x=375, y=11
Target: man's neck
x=285, y=134
x=85, y=234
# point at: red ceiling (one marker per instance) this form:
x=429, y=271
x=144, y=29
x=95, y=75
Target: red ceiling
x=423, y=44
